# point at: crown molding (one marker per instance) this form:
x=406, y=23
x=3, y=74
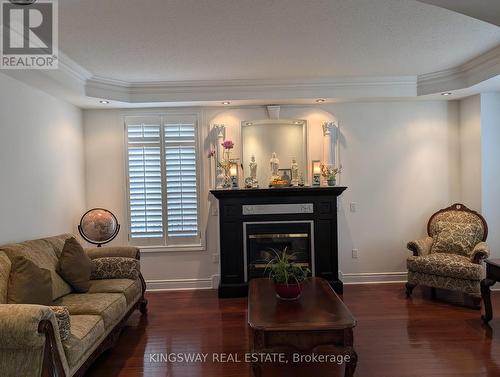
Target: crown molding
x=77, y=85
x=220, y=90
x=72, y=69
x=476, y=70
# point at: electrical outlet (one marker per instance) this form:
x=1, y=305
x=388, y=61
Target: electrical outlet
x=215, y=258
x=215, y=210
x=355, y=253
x=353, y=207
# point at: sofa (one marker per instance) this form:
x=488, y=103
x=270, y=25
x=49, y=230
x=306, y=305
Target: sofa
x=34, y=341
x=450, y=256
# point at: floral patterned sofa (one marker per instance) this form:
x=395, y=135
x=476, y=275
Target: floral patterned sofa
x=64, y=339
x=450, y=256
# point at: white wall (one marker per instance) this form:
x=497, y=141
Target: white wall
x=480, y=160
x=41, y=163
x=490, y=157
x=401, y=163
x=470, y=152
x=106, y=187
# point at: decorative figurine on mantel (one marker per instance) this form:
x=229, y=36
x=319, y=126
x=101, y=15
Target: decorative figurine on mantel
x=302, y=181
x=295, y=173
x=274, y=164
x=251, y=182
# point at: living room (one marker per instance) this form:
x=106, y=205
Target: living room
x=239, y=188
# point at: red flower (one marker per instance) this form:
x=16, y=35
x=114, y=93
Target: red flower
x=228, y=144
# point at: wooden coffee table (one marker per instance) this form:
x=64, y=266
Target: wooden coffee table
x=492, y=276
x=317, y=322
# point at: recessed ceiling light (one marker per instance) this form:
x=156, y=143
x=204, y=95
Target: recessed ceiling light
x=297, y=122
x=320, y=100
x=104, y=102
x=446, y=94
x=226, y=103
x=249, y=123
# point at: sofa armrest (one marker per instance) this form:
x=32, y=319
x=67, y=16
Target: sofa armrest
x=420, y=247
x=113, y=251
x=30, y=333
x=480, y=252
x=19, y=325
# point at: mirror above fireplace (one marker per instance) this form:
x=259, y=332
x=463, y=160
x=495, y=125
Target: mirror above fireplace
x=285, y=137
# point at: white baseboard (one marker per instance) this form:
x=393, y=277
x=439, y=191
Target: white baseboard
x=213, y=282
x=178, y=284
x=373, y=277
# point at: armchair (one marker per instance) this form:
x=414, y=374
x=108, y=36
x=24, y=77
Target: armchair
x=450, y=256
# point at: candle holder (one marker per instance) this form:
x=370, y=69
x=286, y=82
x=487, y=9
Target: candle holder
x=233, y=172
x=316, y=173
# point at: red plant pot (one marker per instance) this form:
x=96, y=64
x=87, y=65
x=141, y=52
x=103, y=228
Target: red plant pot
x=289, y=291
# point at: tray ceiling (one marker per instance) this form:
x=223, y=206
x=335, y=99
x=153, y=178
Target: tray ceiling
x=178, y=40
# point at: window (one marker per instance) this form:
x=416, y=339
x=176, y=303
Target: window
x=163, y=185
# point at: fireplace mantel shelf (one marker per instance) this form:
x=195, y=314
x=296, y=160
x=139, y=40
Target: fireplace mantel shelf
x=296, y=191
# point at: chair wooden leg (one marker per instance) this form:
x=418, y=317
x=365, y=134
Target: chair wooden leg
x=476, y=302
x=433, y=292
x=143, y=306
x=409, y=289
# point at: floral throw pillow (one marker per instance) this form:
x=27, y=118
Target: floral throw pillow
x=456, y=238
x=63, y=320
x=115, y=268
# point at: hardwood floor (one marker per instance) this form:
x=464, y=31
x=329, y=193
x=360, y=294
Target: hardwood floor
x=395, y=337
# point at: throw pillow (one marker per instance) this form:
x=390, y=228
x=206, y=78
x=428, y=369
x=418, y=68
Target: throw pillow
x=63, y=320
x=28, y=283
x=75, y=266
x=116, y=268
x=455, y=238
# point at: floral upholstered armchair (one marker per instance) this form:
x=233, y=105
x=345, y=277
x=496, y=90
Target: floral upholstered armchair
x=450, y=257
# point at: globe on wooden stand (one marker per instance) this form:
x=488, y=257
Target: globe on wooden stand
x=98, y=226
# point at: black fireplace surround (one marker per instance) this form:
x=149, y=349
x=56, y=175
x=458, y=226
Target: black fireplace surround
x=255, y=221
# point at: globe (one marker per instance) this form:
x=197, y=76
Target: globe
x=99, y=226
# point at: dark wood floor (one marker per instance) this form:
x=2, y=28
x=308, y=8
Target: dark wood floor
x=395, y=337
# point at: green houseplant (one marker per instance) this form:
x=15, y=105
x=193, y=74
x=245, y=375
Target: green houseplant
x=288, y=276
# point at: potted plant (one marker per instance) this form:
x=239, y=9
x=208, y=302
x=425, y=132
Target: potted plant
x=288, y=277
x=330, y=173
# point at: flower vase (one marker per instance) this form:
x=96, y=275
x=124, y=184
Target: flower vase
x=227, y=182
x=332, y=182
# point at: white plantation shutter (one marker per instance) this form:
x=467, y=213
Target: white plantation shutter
x=163, y=180
x=180, y=135
x=144, y=177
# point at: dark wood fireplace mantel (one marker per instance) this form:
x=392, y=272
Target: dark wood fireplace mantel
x=300, y=191
x=317, y=205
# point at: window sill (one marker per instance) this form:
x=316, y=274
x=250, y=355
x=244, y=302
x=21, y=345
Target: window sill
x=170, y=249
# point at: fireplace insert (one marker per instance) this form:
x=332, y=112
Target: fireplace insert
x=264, y=239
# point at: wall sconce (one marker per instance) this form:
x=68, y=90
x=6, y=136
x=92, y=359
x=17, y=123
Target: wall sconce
x=233, y=172
x=316, y=173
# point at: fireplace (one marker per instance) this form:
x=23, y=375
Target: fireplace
x=264, y=239
x=253, y=221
